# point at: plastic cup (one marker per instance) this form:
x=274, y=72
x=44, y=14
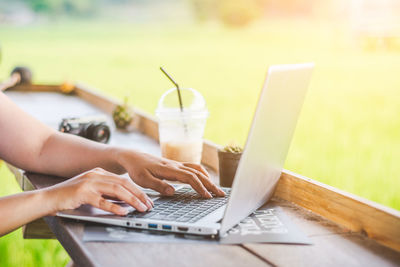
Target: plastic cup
x=181, y=130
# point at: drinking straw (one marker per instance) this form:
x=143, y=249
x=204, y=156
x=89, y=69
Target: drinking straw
x=179, y=94
x=176, y=85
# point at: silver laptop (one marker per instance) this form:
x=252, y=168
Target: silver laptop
x=259, y=170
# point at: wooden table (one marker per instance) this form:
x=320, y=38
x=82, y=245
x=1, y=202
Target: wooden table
x=334, y=245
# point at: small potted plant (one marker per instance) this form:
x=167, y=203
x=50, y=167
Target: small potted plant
x=228, y=158
x=123, y=115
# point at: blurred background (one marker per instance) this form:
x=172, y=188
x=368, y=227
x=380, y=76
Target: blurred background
x=348, y=135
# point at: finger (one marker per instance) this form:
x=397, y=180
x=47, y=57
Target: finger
x=103, y=204
x=118, y=191
x=189, y=178
x=197, y=167
x=206, y=182
x=153, y=182
x=129, y=185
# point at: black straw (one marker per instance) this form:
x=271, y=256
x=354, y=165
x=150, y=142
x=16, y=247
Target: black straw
x=176, y=85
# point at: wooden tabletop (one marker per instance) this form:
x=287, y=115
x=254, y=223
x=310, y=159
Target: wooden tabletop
x=333, y=245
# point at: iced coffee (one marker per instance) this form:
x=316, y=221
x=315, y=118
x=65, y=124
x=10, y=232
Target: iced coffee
x=181, y=129
x=182, y=151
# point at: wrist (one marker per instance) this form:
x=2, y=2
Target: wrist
x=124, y=157
x=46, y=201
x=117, y=158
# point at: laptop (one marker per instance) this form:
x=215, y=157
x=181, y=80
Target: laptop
x=260, y=167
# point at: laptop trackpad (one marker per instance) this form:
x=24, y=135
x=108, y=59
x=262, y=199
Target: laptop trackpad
x=89, y=210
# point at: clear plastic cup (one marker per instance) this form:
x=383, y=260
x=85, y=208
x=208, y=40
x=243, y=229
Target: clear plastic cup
x=181, y=131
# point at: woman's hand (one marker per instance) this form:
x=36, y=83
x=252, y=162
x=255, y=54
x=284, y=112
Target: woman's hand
x=92, y=187
x=149, y=171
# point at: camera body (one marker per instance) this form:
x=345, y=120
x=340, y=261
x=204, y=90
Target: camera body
x=93, y=128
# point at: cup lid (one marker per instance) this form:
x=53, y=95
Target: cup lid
x=193, y=102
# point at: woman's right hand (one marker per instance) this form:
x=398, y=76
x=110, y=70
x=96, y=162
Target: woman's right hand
x=92, y=187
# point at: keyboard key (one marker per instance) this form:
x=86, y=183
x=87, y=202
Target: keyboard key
x=185, y=206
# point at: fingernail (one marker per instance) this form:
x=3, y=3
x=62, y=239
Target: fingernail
x=149, y=205
x=151, y=202
x=123, y=211
x=143, y=207
x=208, y=194
x=169, y=191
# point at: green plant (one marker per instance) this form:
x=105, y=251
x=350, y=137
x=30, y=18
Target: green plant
x=123, y=115
x=233, y=148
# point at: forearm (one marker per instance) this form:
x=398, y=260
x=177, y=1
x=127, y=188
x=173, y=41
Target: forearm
x=20, y=209
x=68, y=155
x=30, y=145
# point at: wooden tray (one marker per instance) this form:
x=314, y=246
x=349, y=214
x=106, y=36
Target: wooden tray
x=330, y=215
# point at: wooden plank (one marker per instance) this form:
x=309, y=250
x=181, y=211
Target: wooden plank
x=18, y=174
x=172, y=255
x=352, y=212
x=146, y=124
x=70, y=234
x=36, y=88
x=37, y=229
x=210, y=155
x=95, y=98
x=333, y=245
x=329, y=250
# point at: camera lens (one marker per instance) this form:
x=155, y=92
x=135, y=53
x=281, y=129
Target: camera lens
x=99, y=132
x=64, y=127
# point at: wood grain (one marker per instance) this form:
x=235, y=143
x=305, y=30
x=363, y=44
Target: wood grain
x=146, y=124
x=36, y=88
x=329, y=250
x=37, y=229
x=172, y=255
x=333, y=245
x=95, y=98
x=352, y=212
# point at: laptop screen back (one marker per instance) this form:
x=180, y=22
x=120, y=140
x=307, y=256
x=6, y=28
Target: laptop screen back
x=268, y=141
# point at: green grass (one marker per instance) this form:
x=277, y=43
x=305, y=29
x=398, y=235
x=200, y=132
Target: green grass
x=348, y=135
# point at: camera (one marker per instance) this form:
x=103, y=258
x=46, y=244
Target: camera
x=93, y=128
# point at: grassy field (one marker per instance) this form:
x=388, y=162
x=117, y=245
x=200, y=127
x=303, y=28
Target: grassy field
x=348, y=135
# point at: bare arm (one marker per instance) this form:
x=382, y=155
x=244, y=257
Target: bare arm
x=87, y=188
x=31, y=145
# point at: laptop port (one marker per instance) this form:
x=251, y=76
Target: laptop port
x=138, y=224
x=167, y=227
x=183, y=229
x=153, y=225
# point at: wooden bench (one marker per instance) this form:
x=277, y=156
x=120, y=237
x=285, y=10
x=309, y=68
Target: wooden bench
x=345, y=229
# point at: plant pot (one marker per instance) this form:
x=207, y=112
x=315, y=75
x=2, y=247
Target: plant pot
x=228, y=163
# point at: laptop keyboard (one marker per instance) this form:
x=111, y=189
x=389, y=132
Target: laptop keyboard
x=185, y=206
